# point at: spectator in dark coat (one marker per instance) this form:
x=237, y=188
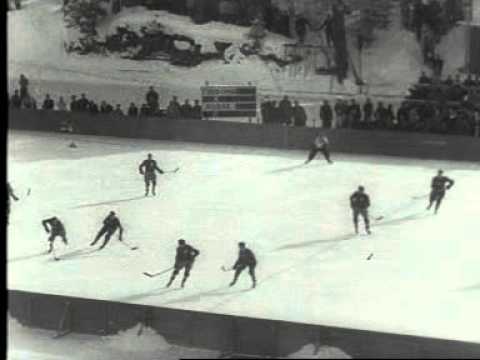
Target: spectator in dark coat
x=197, y=110
x=23, y=82
x=381, y=116
x=61, y=105
x=285, y=110
x=132, y=110
x=152, y=99
x=326, y=115
x=264, y=111
x=93, y=107
x=48, y=103
x=144, y=110
x=424, y=79
x=274, y=116
x=367, y=112
x=118, y=110
x=186, y=110
x=390, y=117
x=105, y=108
x=83, y=103
x=299, y=114
x=402, y=116
x=354, y=114
x=340, y=113
x=73, y=103
x=16, y=100
x=173, y=109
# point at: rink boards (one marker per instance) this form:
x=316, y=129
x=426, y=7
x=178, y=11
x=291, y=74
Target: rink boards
x=226, y=333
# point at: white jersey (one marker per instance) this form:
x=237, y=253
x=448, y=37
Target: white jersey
x=321, y=141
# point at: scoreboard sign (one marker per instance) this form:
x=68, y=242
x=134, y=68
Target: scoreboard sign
x=229, y=101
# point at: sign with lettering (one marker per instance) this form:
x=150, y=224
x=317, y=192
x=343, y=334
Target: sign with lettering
x=229, y=101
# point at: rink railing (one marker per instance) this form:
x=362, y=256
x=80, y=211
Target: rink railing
x=368, y=142
x=225, y=333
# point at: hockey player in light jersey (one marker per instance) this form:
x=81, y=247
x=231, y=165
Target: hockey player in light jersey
x=184, y=259
x=360, y=202
x=320, y=144
x=440, y=184
x=246, y=258
x=56, y=228
x=148, y=168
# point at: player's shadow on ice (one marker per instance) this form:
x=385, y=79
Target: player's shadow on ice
x=402, y=220
x=315, y=242
x=216, y=293
x=150, y=293
x=77, y=254
x=27, y=257
x=108, y=202
x=292, y=168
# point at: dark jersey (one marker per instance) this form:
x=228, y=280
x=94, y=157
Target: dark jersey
x=359, y=200
x=149, y=166
x=56, y=226
x=440, y=183
x=245, y=258
x=186, y=253
x=112, y=222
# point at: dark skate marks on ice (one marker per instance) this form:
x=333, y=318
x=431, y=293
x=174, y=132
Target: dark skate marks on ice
x=110, y=202
x=76, y=253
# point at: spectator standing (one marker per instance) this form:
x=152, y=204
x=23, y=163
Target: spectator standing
x=285, y=110
x=354, y=114
x=402, y=116
x=367, y=112
x=61, y=105
x=152, y=99
x=197, y=110
x=173, y=109
x=380, y=116
x=16, y=100
x=73, y=104
x=144, y=110
x=264, y=110
x=23, y=82
x=83, y=103
x=48, y=103
x=299, y=115
x=132, y=110
x=476, y=123
x=390, y=117
x=118, y=110
x=186, y=110
x=274, y=117
x=29, y=102
x=93, y=107
x=340, y=111
x=326, y=115
x=424, y=79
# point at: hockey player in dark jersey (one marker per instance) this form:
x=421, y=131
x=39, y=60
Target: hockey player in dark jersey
x=246, y=258
x=360, y=202
x=320, y=144
x=55, y=227
x=148, y=168
x=184, y=259
x=440, y=184
x=110, y=225
x=10, y=195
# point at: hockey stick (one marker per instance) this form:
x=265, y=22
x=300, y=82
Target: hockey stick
x=158, y=273
x=128, y=246
x=172, y=171
x=224, y=269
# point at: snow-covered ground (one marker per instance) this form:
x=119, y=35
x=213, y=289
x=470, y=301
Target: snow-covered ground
x=423, y=278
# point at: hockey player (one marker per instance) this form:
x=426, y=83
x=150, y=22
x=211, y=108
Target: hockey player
x=184, y=259
x=55, y=227
x=440, y=184
x=147, y=168
x=360, y=202
x=110, y=225
x=320, y=144
x=10, y=194
x=246, y=258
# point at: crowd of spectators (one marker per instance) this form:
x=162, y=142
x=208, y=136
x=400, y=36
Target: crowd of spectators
x=23, y=100
x=432, y=106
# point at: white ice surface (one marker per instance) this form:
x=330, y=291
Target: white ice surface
x=423, y=279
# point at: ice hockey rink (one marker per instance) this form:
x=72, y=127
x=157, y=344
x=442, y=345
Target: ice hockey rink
x=423, y=276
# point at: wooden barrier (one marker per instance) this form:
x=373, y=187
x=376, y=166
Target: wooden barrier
x=225, y=333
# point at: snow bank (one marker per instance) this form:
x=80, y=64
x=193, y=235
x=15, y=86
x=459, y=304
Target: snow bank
x=205, y=35
x=323, y=352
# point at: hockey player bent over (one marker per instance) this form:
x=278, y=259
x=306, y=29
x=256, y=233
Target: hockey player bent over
x=360, y=202
x=319, y=145
x=55, y=227
x=184, y=259
x=10, y=194
x=246, y=258
x=440, y=184
x=147, y=168
x=110, y=225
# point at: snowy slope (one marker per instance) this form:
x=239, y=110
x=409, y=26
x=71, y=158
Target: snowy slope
x=423, y=278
